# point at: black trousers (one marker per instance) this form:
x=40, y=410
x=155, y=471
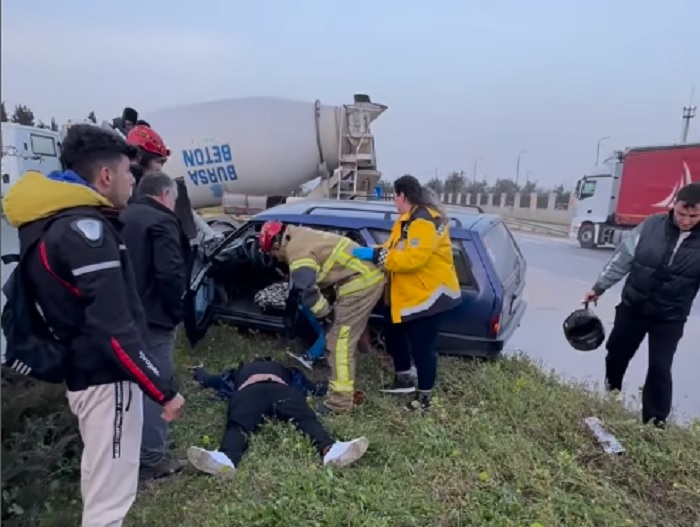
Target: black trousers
x=625, y=338
x=249, y=407
x=417, y=339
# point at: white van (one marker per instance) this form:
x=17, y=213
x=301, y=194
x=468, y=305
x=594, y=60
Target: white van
x=23, y=148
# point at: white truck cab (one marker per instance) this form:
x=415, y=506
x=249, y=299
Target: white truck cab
x=23, y=148
x=592, y=205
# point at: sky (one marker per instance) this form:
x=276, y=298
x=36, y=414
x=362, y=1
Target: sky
x=464, y=80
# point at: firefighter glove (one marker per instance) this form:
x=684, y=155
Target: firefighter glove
x=363, y=253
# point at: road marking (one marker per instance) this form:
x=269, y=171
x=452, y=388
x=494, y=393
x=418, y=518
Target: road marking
x=544, y=240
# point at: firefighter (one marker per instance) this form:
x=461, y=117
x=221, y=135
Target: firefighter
x=152, y=155
x=152, y=152
x=317, y=261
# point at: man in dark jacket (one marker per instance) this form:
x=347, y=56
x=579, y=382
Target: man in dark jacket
x=159, y=252
x=662, y=258
x=266, y=388
x=82, y=278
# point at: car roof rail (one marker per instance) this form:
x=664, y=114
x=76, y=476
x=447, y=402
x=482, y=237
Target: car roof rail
x=389, y=197
x=387, y=213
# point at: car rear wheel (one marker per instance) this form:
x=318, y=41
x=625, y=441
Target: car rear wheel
x=376, y=337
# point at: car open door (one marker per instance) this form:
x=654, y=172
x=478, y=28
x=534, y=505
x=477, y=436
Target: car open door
x=198, y=301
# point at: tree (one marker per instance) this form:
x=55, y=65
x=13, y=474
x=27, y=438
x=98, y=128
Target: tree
x=563, y=195
x=54, y=124
x=4, y=113
x=530, y=187
x=477, y=187
x=92, y=117
x=387, y=188
x=454, y=184
x=23, y=115
x=505, y=186
x=437, y=185
x=42, y=125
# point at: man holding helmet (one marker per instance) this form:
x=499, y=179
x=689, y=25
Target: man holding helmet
x=319, y=261
x=661, y=259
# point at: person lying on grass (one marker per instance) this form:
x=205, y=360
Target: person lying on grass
x=266, y=388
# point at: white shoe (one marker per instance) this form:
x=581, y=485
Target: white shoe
x=211, y=461
x=344, y=453
x=616, y=395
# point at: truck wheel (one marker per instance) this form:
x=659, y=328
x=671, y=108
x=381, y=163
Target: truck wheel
x=586, y=236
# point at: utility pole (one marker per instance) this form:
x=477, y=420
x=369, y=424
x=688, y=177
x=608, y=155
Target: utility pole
x=688, y=114
x=476, y=162
x=597, y=149
x=517, y=166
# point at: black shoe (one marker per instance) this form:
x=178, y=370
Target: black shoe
x=164, y=468
x=421, y=402
x=403, y=383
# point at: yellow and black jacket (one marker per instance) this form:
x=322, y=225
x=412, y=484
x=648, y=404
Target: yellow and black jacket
x=418, y=258
x=318, y=260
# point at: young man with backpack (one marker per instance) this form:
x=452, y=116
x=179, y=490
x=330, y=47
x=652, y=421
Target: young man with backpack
x=74, y=265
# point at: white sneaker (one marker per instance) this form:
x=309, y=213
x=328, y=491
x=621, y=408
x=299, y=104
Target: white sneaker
x=616, y=395
x=211, y=461
x=344, y=453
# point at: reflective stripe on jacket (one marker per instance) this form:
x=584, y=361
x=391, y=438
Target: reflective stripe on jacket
x=318, y=260
x=418, y=256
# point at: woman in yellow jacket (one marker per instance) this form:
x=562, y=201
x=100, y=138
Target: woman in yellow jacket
x=423, y=286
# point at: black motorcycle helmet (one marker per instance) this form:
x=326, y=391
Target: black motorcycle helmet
x=584, y=330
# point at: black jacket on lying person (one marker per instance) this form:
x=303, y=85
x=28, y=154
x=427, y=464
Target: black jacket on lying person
x=160, y=254
x=227, y=383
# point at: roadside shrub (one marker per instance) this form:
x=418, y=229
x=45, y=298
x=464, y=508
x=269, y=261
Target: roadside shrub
x=40, y=447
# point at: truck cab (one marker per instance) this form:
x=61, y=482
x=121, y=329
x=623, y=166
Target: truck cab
x=592, y=206
x=24, y=148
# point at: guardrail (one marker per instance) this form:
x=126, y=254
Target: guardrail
x=538, y=227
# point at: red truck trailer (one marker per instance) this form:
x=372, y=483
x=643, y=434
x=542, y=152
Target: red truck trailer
x=639, y=182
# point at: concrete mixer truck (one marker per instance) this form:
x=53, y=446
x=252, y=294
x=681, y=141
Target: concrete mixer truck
x=248, y=154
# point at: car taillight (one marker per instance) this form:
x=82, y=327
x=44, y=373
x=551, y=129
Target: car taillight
x=495, y=325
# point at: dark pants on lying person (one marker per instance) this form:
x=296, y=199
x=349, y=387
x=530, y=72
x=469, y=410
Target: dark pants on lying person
x=625, y=338
x=415, y=339
x=248, y=408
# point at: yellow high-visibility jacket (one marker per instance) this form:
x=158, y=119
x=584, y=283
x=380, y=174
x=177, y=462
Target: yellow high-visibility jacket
x=418, y=257
x=320, y=259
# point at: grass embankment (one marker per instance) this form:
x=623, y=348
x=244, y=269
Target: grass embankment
x=503, y=446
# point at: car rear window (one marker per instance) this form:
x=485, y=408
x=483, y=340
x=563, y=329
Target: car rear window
x=461, y=260
x=502, y=250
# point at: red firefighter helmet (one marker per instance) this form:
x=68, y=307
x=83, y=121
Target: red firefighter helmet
x=269, y=234
x=148, y=139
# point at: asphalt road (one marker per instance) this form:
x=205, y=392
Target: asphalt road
x=559, y=273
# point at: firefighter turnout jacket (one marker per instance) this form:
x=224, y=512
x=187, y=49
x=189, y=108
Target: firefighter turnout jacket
x=84, y=281
x=318, y=260
x=418, y=257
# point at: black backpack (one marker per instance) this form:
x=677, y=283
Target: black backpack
x=31, y=347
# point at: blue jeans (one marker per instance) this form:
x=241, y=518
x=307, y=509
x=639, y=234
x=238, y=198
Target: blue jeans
x=415, y=339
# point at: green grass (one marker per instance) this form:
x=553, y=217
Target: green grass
x=503, y=446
